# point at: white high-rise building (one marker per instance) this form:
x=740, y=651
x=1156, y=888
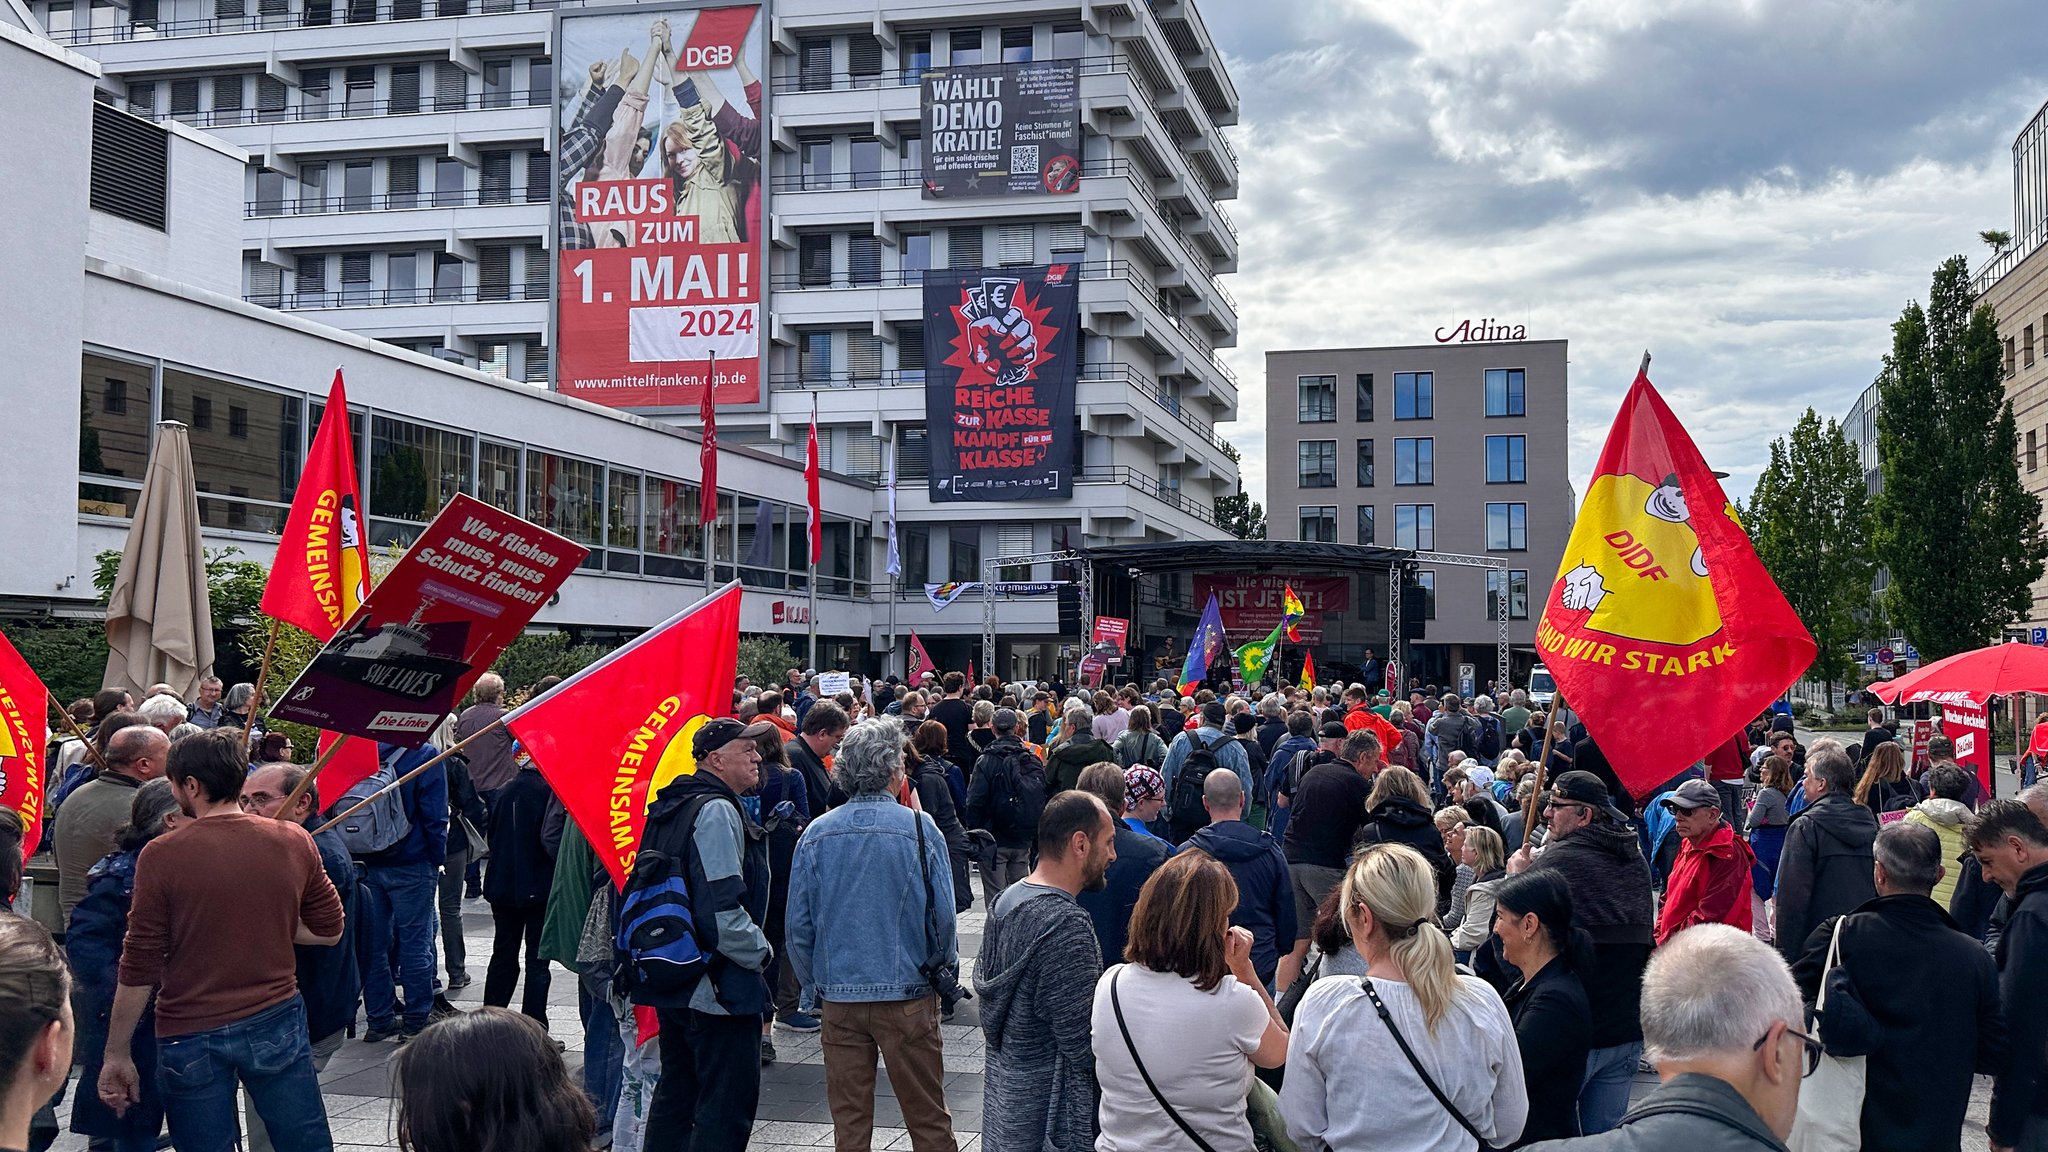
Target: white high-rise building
x=400, y=186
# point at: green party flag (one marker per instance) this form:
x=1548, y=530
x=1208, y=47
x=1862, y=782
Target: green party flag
x=1253, y=657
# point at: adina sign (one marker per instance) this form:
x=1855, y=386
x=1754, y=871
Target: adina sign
x=1481, y=331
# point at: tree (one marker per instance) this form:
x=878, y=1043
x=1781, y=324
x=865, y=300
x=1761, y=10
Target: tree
x=765, y=660
x=1960, y=534
x=1810, y=518
x=1237, y=513
x=1998, y=239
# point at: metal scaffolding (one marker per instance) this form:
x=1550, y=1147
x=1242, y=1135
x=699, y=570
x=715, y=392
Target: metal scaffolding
x=994, y=564
x=1452, y=560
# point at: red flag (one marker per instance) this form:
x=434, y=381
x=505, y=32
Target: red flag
x=611, y=736
x=24, y=716
x=811, y=488
x=1660, y=596
x=707, y=454
x=921, y=662
x=322, y=571
x=354, y=764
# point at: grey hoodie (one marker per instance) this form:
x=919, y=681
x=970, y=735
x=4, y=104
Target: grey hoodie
x=1036, y=977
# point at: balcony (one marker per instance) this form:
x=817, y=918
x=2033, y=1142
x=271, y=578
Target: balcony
x=338, y=16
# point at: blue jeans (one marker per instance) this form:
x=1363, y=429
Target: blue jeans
x=269, y=1055
x=1603, y=1099
x=604, y=1054
x=400, y=909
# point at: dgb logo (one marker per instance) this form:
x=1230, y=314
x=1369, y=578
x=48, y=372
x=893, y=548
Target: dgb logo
x=710, y=56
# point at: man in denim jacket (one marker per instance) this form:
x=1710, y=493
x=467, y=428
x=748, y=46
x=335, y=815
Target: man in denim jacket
x=860, y=931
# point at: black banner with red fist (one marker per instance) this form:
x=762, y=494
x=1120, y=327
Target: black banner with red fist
x=999, y=381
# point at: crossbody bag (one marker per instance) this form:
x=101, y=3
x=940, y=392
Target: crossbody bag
x=1428, y=1081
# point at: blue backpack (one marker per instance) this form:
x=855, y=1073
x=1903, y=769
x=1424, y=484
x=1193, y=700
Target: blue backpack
x=659, y=958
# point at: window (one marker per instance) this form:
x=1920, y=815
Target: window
x=355, y=186
x=269, y=192
x=914, y=546
x=130, y=167
x=1069, y=238
x=566, y=496
x=227, y=109
x=1506, y=392
x=252, y=453
x=814, y=64
x=910, y=351
x=1364, y=401
x=1016, y=45
x=493, y=272
x=814, y=358
x=311, y=286
x=185, y=99
x=1415, y=527
x=1507, y=527
x=405, y=89
x=497, y=79
x=669, y=530
x=494, y=179
x=866, y=168
x=914, y=49
x=965, y=561
x=451, y=86
x=2032, y=448
x=401, y=277
x=537, y=189
x=1319, y=523
x=312, y=89
x=864, y=59
x=1415, y=460
x=1069, y=42
x=814, y=261
x=1516, y=583
x=448, y=276
x=814, y=161
x=1013, y=244
x=1317, y=464
x=864, y=260
x=313, y=188
x=1506, y=458
x=1414, y=395
x=2026, y=341
x=540, y=82
x=271, y=94
x=539, y=271
x=359, y=91
x=864, y=358
x=917, y=256
x=1366, y=534
x=448, y=181
x=414, y=470
x=355, y=278
x=1427, y=582
x=1315, y=399
x=1365, y=463
x=963, y=247
x=402, y=182
x=966, y=49
x=910, y=156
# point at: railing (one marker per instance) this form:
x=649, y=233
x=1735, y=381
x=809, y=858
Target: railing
x=346, y=109
x=1132, y=478
x=366, y=297
x=912, y=77
x=386, y=202
x=1995, y=268
x=344, y=13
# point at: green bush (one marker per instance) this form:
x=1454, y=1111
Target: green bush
x=69, y=655
x=539, y=654
x=765, y=660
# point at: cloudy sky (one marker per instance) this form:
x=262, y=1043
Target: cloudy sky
x=1751, y=189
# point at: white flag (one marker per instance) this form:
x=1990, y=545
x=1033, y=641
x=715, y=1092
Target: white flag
x=895, y=565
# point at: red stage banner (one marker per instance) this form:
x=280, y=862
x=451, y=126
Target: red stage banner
x=1256, y=603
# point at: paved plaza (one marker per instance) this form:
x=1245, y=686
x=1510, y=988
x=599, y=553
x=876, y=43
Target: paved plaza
x=793, y=1113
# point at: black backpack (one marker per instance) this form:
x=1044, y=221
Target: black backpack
x=1184, y=803
x=1020, y=795
x=1489, y=738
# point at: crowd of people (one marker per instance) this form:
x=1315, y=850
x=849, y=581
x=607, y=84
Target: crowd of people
x=1280, y=919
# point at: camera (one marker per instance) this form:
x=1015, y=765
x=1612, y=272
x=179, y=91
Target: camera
x=945, y=980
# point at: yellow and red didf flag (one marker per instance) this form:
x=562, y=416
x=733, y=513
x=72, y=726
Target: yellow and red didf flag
x=1661, y=600
x=24, y=710
x=322, y=571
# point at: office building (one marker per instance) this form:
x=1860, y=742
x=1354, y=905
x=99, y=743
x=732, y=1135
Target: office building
x=2015, y=284
x=1456, y=447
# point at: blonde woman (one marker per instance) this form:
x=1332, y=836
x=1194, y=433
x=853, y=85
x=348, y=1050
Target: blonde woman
x=1486, y=856
x=1349, y=1085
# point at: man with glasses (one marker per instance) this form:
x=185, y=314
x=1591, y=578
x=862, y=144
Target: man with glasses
x=1721, y=1018
x=1592, y=845
x=329, y=980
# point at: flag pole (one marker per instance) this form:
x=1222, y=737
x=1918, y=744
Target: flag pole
x=451, y=750
x=92, y=751
x=256, y=701
x=811, y=550
x=711, y=402
x=306, y=784
x=1550, y=723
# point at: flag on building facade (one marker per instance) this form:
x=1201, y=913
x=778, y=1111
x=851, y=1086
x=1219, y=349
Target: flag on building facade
x=707, y=453
x=920, y=660
x=1308, y=672
x=1207, y=645
x=895, y=564
x=1660, y=595
x=612, y=736
x=24, y=712
x=1291, y=612
x=322, y=571
x=817, y=523
x=1253, y=658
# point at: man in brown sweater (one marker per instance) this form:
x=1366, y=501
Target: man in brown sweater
x=216, y=911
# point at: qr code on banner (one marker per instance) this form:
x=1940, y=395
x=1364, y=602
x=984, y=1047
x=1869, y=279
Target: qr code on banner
x=1024, y=158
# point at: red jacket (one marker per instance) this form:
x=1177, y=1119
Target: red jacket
x=1368, y=719
x=1709, y=884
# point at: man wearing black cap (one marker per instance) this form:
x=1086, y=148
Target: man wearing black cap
x=710, y=1043
x=1592, y=846
x=1710, y=881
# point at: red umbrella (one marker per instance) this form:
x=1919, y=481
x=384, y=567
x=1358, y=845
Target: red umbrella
x=1971, y=677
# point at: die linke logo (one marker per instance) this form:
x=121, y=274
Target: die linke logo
x=1481, y=332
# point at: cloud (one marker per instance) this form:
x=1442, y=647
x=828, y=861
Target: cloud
x=1752, y=190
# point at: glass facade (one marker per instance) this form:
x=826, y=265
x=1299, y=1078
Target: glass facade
x=249, y=442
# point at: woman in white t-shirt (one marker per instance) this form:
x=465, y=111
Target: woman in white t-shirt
x=1349, y=1086
x=1195, y=1018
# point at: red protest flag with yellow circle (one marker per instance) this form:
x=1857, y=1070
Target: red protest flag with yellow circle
x=1661, y=601
x=24, y=719
x=322, y=571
